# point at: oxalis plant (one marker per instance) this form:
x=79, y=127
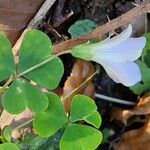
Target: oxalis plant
x=37, y=63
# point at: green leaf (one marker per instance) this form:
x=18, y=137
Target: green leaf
x=7, y=65
x=35, y=48
x=8, y=146
x=6, y=133
x=106, y=135
x=48, y=75
x=81, y=27
x=21, y=94
x=146, y=51
x=140, y=88
x=49, y=122
x=84, y=108
x=80, y=137
x=39, y=143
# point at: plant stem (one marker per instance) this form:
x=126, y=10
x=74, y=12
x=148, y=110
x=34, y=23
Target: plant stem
x=115, y=100
x=42, y=63
x=6, y=84
x=89, y=78
x=31, y=69
x=24, y=124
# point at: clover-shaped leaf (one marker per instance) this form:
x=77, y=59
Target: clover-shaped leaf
x=8, y=146
x=80, y=137
x=7, y=65
x=49, y=122
x=77, y=136
x=84, y=108
x=35, y=48
x=22, y=94
x=81, y=27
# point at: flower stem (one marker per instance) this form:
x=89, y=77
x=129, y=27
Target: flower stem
x=41, y=63
x=77, y=88
x=115, y=100
x=6, y=84
x=12, y=78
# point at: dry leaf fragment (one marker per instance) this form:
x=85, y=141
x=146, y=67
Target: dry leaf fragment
x=58, y=91
x=80, y=72
x=138, y=139
x=15, y=16
x=16, y=120
x=142, y=108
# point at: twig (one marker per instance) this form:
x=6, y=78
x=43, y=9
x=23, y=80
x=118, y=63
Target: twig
x=41, y=13
x=99, y=31
x=49, y=28
x=77, y=88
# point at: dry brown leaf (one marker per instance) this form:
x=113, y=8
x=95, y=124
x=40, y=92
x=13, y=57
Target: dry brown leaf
x=58, y=91
x=80, y=72
x=15, y=16
x=142, y=108
x=16, y=120
x=138, y=139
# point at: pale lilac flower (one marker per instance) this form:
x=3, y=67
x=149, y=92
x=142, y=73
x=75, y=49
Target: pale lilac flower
x=116, y=55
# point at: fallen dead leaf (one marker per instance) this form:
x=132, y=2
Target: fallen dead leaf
x=15, y=16
x=80, y=72
x=142, y=108
x=138, y=139
x=58, y=91
x=16, y=120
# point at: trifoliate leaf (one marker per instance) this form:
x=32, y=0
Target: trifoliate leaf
x=81, y=27
x=49, y=122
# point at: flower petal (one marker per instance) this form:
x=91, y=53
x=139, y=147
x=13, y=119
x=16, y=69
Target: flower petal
x=126, y=73
x=109, y=42
x=127, y=51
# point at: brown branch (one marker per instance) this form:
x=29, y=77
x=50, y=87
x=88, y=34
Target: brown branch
x=99, y=31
